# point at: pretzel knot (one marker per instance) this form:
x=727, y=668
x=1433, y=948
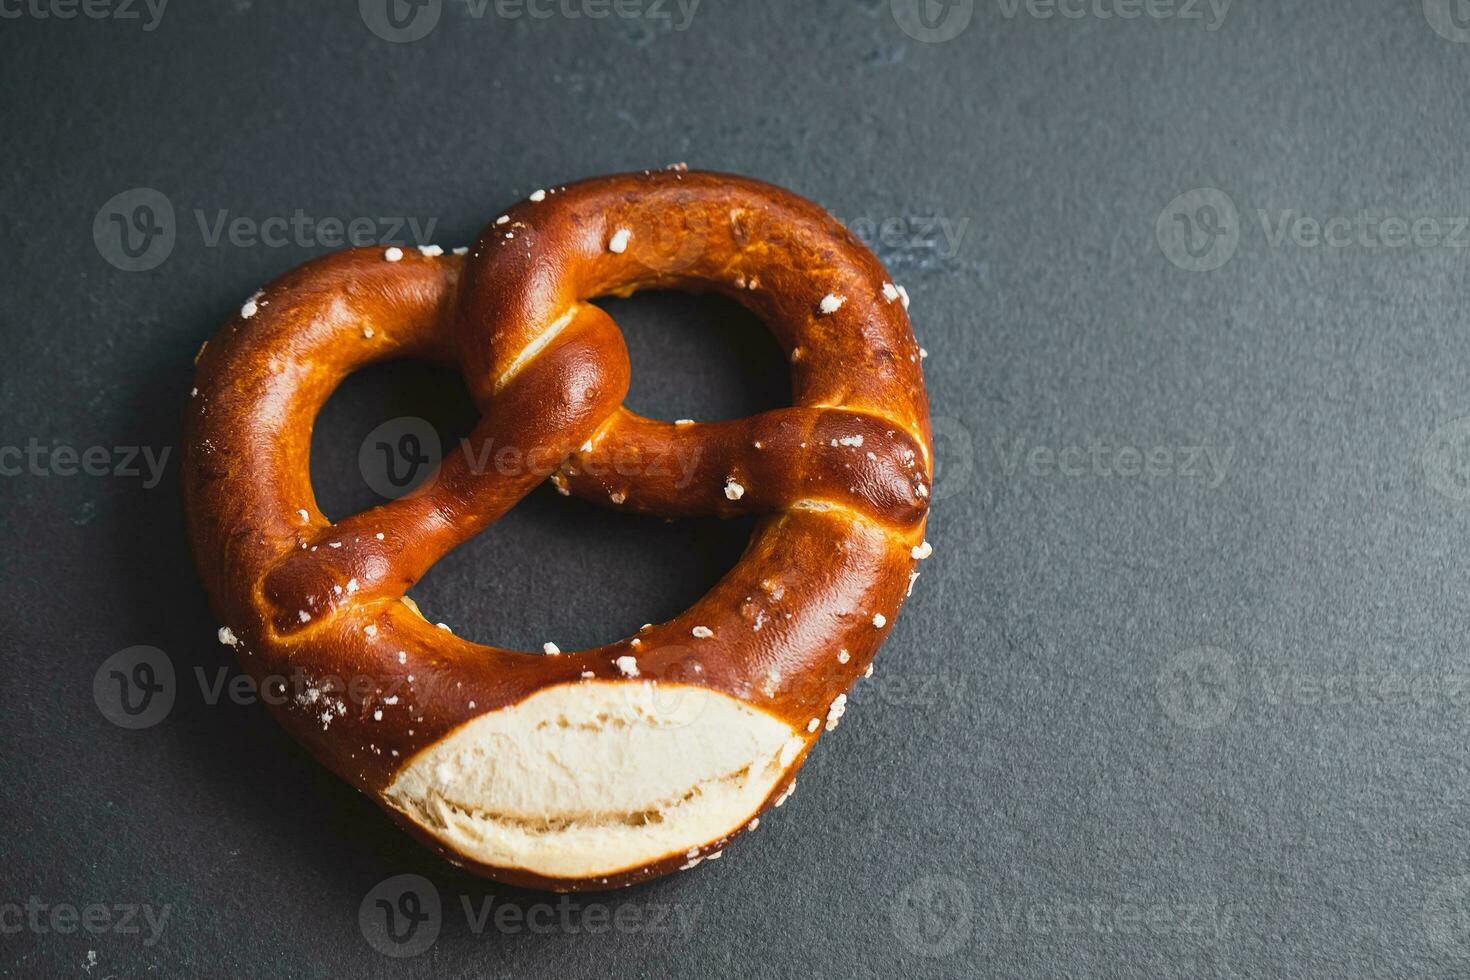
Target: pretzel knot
x=591, y=768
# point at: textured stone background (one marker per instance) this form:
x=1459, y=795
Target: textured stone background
x=1182, y=692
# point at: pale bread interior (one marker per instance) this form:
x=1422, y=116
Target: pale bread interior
x=589, y=779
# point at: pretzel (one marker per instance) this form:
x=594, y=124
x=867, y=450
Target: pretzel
x=594, y=768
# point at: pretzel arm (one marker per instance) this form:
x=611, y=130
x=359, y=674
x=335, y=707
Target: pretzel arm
x=814, y=458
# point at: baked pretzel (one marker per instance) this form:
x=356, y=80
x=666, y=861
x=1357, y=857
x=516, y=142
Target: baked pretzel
x=594, y=768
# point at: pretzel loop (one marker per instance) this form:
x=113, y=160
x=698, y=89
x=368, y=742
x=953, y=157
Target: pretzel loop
x=545, y=411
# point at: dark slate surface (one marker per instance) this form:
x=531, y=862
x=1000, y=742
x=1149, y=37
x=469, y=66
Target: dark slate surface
x=1182, y=692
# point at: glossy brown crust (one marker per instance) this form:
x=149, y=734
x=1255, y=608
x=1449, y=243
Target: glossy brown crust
x=840, y=479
